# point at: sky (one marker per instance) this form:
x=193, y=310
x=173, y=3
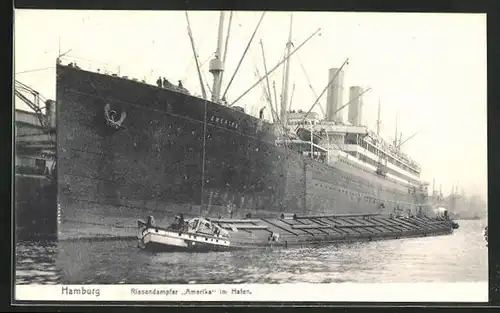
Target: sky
x=427, y=70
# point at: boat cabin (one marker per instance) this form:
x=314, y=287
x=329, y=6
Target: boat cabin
x=204, y=226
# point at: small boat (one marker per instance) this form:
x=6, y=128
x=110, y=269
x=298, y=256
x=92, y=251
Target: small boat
x=197, y=234
x=305, y=134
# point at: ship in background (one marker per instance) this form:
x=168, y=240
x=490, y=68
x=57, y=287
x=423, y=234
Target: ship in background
x=459, y=205
x=465, y=207
x=127, y=149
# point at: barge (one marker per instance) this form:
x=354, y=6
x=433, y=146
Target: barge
x=205, y=234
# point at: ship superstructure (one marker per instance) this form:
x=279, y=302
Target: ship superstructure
x=360, y=143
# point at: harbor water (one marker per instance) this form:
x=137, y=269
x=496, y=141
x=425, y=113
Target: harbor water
x=460, y=257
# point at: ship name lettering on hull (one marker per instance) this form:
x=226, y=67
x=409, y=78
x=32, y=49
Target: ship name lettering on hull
x=221, y=121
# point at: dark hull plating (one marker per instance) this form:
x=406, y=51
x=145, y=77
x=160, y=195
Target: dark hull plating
x=152, y=164
x=35, y=207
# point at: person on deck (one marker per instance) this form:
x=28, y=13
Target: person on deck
x=175, y=224
x=181, y=221
x=158, y=82
x=180, y=85
x=166, y=83
x=261, y=113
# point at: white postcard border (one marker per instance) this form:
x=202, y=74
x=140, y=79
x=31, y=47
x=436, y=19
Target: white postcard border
x=338, y=292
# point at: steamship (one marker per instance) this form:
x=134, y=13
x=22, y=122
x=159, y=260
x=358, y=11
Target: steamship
x=127, y=149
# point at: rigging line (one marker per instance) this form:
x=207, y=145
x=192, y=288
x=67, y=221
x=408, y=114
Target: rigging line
x=266, y=94
x=204, y=62
x=283, y=78
x=276, y=101
x=227, y=44
x=196, y=57
x=291, y=98
x=309, y=82
x=324, y=90
x=184, y=77
x=274, y=114
x=243, y=56
x=191, y=60
x=206, y=82
x=274, y=68
x=265, y=70
x=203, y=153
x=93, y=61
x=35, y=70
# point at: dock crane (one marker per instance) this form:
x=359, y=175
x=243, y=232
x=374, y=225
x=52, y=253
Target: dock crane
x=24, y=92
x=42, y=141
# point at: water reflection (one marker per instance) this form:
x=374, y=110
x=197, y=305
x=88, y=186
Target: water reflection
x=36, y=263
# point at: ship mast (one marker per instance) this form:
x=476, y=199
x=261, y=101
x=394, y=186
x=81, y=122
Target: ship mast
x=216, y=64
x=401, y=141
x=396, y=133
x=275, y=96
x=267, y=77
x=227, y=42
x=381, y=167
x=378, y=119
x=190, y=33
x=275, y=67
x=291, y=98
x=284, y=97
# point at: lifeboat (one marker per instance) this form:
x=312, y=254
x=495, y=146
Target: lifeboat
x=305, y=134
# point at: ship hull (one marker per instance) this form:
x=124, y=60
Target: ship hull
x=160, y=158
x=35, y=207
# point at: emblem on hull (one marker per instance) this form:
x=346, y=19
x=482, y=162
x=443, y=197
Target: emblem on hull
x=111, y=117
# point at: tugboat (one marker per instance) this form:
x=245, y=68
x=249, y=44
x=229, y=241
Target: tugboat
x=197, y=234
